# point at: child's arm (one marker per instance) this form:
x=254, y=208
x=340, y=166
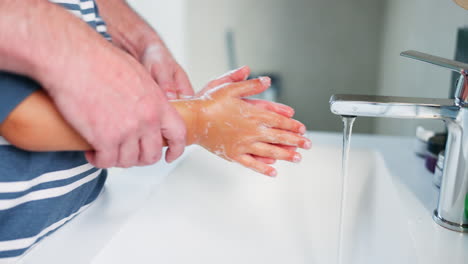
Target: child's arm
x=221, y=121
x=36, y=125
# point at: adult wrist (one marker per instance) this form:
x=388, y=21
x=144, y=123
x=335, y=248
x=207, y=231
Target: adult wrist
x=54, y=74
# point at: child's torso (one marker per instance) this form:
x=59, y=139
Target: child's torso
x=40, y=191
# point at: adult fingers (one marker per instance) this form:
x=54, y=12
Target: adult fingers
x=274, y=152
x=102, y=159
x=164, y=78
x=249, y=162
x=129, y=153
x=173, y=130
x=151, y=148
x=182, y=83
x=281, y=109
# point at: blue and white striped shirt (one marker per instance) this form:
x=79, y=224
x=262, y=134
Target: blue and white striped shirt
x=87, y=11
x=41, y=191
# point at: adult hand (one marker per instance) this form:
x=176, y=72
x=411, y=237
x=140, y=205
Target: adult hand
x=117, y=107
x=106, y=95
x=166, y=72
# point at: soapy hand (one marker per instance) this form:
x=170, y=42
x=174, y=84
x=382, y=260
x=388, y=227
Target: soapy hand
x=241, y=74
x=237, y=130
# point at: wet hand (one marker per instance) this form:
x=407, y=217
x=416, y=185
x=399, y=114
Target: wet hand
x=238, y=130
x=239, y=75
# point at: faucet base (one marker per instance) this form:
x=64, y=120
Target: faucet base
x=463, y=228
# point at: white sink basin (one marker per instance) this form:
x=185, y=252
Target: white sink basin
x=212, y=211
x=208, y=211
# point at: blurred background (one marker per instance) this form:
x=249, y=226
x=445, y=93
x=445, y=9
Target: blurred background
x=316, y=48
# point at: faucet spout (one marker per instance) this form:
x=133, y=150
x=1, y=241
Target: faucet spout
x=393, y=107
x=451, y=210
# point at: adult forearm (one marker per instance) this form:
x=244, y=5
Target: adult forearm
x=18, y=21
x=37, y=125
x=40, y=39
x=128, y=30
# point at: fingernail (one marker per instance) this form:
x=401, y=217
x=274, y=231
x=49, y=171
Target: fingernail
x=266, y=81
x=307, y=144
x=288, y=112
x=302, y=130
x=171, y=95
x=297, y=158
x=273, y=173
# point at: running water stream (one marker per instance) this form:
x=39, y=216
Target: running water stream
x=347, y=131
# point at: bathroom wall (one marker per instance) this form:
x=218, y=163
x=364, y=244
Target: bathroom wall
x=169, y=19
x=319, y=47
x=424, y=25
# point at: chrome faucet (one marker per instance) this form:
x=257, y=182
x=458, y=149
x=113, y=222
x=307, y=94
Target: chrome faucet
x=451, y=211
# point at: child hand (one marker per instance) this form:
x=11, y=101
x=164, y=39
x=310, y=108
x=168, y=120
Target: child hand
x=236, y=130
x=241, y=74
